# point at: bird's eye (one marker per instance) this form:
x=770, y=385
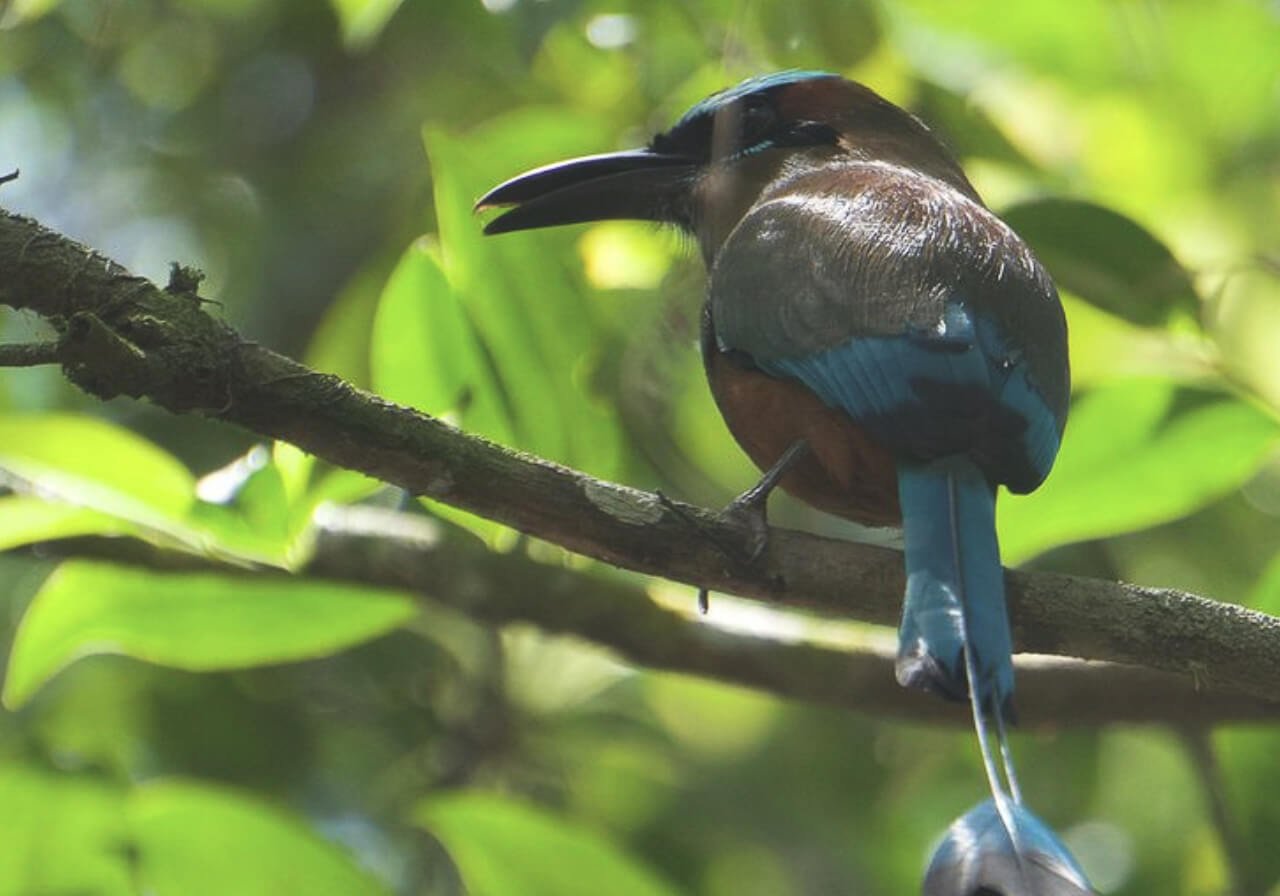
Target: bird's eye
x=759, y=120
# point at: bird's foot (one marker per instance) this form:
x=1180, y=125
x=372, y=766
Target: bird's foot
x=748, y=513
x=704, y=594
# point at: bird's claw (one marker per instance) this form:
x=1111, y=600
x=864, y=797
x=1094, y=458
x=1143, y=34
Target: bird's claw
x=749, y=512
x=729, y=550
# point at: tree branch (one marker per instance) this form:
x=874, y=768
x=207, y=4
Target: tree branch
x=447, y=566
x=28, y=354
x=509, y=587
x=121, y=335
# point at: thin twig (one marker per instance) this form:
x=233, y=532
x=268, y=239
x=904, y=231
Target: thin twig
x=1240, y=872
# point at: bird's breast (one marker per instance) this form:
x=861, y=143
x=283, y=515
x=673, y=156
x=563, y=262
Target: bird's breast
x=845, y=472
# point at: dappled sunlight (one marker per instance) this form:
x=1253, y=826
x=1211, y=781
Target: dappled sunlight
x=211, y=646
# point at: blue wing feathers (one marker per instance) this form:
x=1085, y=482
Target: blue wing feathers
x=959, y=410
x=957, y=389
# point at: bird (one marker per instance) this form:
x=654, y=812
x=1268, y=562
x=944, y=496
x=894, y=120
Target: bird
x=877, y=341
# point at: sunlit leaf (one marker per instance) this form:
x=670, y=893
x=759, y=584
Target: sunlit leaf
x=255, y=521
x=363, y=20
x=1106, y=348
x=424, y=351
x=26, y=520
x=294, y=466
x=940, y=35
x=61, y=833
x=484, y=271
x=522, y=293
x=197, y=621
x=714, y=719
x=196, y=839
x=504, y=848
x=624, y=255
x=1266, y=593
x=96, y=464
x=1226, y=62
x=1106, y=258
x=343, y=486
x=22, y=12
x=426, y=354
x=1136, y=454
x=340, y=343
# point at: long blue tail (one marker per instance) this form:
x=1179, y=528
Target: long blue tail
x=1000, y=847
x=954, y=640
x=955, y=584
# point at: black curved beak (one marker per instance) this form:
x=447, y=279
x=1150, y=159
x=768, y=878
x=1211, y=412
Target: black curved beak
x=637, y=183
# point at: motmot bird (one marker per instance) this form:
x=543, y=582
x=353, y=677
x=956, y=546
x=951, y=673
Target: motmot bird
x=862, y=300
x=875, y=338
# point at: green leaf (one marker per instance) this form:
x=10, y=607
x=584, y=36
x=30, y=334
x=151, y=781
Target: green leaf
x=1106, y=258
x=196, y=621
x=195, y=839
x=61, y=833
x=1137, y=454
x=96, y=464
x=964, y=126
x=339, y=485
x=24, y=12
x=295, y=467
x=1266, y=593
x=339, y=344
x=522, y=292
x=482, y=270
x=249, y=514
x=504, y=848
x=26, y=520
x=835, y=35
x=425, y=353
x=363, y=20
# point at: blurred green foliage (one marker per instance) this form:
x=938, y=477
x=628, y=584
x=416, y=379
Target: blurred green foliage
x=279, y=146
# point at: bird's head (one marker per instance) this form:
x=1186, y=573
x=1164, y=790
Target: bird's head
x=724, y=155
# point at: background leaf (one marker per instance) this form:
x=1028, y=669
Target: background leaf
x=531, y=313
x=95, y=464
x=1137, y=453
x=61, y=833
x=1106, y=258
x=25, y=520
x=279, y=147
x=503, y=848
x=194, y=839
x=189, y=621
x=425, y=353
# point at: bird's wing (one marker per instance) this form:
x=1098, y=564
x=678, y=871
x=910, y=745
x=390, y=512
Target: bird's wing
x=909, y=306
